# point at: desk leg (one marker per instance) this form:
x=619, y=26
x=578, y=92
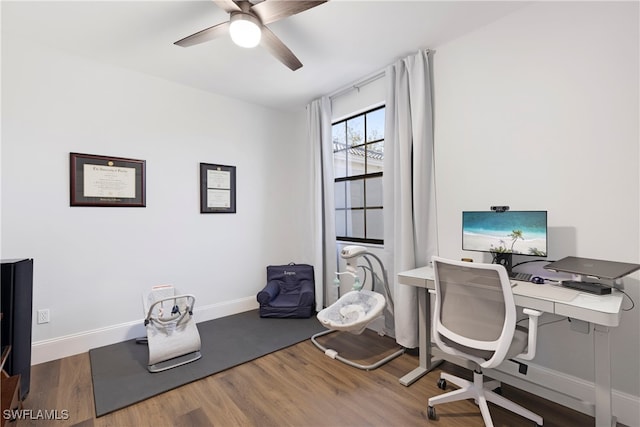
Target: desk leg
x=424, y=337
x=602, y=361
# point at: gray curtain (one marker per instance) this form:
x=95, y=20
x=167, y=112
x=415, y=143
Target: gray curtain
x=323, y=211
x=409, y=196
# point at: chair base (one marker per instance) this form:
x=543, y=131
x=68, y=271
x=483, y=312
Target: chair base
x=334, y=354
x=481, y=393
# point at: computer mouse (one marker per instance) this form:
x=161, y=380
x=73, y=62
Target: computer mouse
x=537, y=280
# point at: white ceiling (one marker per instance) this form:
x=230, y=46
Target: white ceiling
x=338, y=42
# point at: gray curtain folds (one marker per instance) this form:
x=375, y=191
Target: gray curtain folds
x=323, y=210
x=410, y=211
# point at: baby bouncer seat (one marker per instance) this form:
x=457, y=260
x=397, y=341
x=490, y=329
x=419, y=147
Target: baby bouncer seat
x=172, y=335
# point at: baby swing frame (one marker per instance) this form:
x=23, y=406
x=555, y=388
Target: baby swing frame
x=352, y=301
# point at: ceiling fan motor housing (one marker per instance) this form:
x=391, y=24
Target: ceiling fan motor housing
x=245, y=29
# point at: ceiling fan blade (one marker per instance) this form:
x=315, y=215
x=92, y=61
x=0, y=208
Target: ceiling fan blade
x=228, y=5
x=278, y=49
x=204, y=35
x=273, y=10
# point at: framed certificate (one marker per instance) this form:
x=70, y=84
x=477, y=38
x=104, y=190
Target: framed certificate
x=106, y=181
x=217, y=188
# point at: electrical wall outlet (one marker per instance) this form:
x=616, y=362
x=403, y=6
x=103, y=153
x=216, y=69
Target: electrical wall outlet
x=43, y=316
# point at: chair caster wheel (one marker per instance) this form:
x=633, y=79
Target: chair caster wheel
x=442, y=384
x=431, y=413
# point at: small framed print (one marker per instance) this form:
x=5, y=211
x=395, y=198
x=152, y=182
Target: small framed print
x=217, y=188
x=106, y=181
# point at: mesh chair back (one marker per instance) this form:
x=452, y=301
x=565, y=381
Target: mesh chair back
x=475, y=311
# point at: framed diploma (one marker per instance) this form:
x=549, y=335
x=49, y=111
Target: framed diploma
x=217, y=188
x=107, y=181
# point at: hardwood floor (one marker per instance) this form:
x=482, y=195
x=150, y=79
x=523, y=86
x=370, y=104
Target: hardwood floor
x=296, y=386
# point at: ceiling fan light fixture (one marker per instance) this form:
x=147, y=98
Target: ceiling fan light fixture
x=245, y=30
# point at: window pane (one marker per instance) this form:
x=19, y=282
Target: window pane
x=341, y=223
x=339, y=136
x=358, y=146
x=375, y=224
x=374, y=191
x=340, y=164
x=375, y=157
x=355, y=223
x=356, y=164
x=355, y=194
x=355, y=130
x=375, y=125
x=339, y=189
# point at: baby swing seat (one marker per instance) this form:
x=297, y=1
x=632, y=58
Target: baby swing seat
x=353, y=311
x=172, y=334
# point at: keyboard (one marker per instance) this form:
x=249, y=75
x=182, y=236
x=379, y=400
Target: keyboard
x=523, y=277
x=590, y=287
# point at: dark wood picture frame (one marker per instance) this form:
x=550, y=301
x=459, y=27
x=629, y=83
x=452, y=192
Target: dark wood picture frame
x=217, y=188
x=107, y=181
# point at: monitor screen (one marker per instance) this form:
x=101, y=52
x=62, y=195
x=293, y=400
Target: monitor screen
x=514, y=232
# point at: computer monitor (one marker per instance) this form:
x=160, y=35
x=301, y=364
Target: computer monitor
x=504, y=234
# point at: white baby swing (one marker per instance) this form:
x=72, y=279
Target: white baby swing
x=356, y=309
x=172, y=334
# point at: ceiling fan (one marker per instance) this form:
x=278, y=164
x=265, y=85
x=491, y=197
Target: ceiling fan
x=247, y=26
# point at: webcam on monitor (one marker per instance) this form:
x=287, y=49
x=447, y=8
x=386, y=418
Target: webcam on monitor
x=499, y=208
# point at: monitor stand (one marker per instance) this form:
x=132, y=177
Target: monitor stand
x=504, y=259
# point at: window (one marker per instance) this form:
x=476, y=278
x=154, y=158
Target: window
x=358, y=155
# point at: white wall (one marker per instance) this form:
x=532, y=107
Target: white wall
x=359, y=98
x=539, y=110
x=93, y=263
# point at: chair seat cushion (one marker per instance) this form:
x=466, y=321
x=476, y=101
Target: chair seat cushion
x=285, y=300
x=518, y=345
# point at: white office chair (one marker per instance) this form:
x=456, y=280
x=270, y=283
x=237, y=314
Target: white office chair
x=475, y=319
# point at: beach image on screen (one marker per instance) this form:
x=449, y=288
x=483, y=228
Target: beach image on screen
x=517, y=232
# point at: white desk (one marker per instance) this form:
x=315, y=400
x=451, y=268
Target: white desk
x=603, y=311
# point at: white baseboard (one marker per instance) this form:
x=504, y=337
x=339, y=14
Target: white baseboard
x=556, y=386
x=68, y=345
x=567, y=390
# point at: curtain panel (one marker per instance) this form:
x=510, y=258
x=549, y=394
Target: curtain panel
x=323, y=221
x=409, y=187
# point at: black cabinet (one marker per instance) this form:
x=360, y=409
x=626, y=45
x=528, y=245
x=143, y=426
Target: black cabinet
x=16, y=302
